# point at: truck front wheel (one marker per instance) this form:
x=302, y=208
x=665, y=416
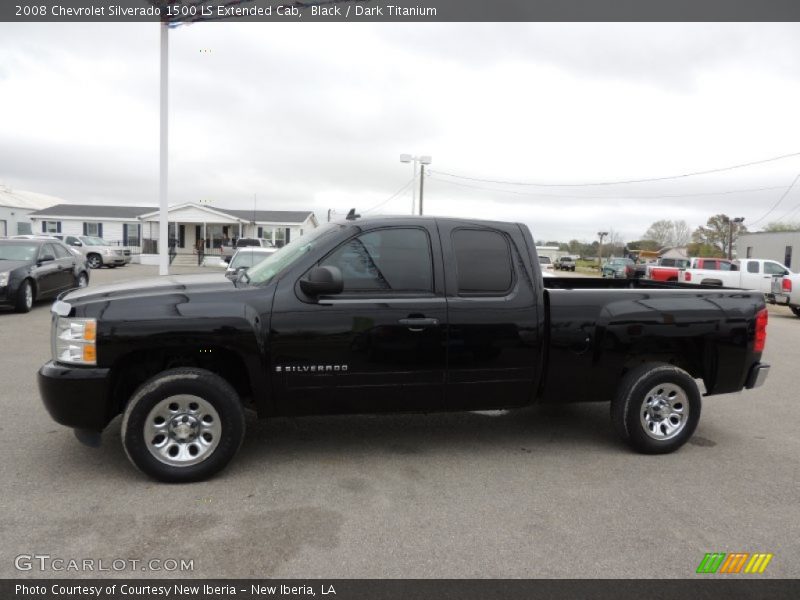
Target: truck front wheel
x=657, y=408
x=183, y=425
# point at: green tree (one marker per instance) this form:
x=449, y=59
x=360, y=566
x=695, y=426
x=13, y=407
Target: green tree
x=718, y=232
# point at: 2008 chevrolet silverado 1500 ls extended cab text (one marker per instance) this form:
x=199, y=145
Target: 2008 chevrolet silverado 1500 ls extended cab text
x=389, y=314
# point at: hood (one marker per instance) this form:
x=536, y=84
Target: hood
x=150, y=288
x=10, y=265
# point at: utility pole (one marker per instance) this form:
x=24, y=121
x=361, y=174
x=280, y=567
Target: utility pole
x=423, y=160
x=602, y=234
x=730, y=235
x=163, y=163
x=421, y=185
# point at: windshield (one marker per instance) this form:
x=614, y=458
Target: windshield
x=544, y=260
x=93, y=241
x=18, y=251
x=279, y=260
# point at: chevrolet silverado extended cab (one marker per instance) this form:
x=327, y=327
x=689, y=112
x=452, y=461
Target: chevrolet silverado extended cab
x=389, y=314
x=747, y=273
x=786, y=292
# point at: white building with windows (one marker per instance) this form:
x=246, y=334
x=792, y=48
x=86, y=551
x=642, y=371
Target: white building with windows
x=16, y=207
x=770, y=245
x=137, y=226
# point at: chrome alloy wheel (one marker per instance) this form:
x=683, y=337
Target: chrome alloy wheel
x=28, y=296
x=183, y=430
x=664, y=411
x=83, y=280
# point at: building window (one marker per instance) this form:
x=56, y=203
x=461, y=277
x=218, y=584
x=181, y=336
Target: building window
x=131, y=234
x=93, y=229
x=749, y=252
x=279, y=237
x=3, y=229
x=51, y=226
x=787, y=257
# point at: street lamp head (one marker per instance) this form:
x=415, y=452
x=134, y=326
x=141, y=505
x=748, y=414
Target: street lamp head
x=739, y=220
x=425, y=160
x=602, y=233
x=406, y=158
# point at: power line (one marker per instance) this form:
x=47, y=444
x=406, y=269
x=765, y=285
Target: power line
x=621, y=182
x=615, y=197
x=774, y=206
x=392, y=197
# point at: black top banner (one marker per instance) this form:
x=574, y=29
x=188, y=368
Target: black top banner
x=405, y=11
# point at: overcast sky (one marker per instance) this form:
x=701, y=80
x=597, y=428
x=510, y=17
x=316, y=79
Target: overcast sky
x=315, y=115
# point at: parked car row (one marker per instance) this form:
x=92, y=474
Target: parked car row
x=33, y=269
x=97, y=251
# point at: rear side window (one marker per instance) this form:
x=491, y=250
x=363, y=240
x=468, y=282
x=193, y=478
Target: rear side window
x=752, y=267
x=397, y=260
x=771, y=268
x=483, y=262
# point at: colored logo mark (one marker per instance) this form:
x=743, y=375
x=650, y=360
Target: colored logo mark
x=734, y=562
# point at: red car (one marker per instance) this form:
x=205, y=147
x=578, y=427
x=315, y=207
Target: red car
x=667, y=269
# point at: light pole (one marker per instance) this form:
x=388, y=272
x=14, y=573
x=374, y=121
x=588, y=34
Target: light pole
x=423, y=160
x=730, y=235
x=602, y=234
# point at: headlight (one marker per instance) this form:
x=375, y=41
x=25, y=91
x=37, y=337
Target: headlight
x=108, y=252
x=75, y=341
x=4, y=279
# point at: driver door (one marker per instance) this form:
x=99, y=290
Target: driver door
x=379, y=345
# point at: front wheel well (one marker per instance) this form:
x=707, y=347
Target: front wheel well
x=134, y=369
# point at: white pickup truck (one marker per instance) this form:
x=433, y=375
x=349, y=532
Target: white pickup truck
x=747, y=273
x=786, y=292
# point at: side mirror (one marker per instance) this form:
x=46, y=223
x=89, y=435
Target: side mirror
x=46, y=258
x=77, y=243
x=321, y=281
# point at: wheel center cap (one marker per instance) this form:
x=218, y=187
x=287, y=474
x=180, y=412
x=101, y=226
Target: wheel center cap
x=183, y=428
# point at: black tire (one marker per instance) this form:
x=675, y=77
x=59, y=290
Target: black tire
x=644, y=427
x=82, y=280
x=182, y=385
x=26, y=295
x=795, y=310
x=94, y=261
x=112, y=266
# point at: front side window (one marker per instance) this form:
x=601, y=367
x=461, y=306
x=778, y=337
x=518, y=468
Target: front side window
x=386, y=260
x=483, y=262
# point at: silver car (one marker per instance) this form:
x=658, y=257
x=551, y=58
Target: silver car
x=97, y=251
x=245, y=258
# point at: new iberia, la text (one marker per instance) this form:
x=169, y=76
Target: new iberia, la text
x=178, y=590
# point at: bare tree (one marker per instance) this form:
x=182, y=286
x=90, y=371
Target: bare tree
x=682, y=234
x=662, y=232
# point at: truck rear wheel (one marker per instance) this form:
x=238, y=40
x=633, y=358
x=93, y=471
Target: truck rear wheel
x=183, y=425
x=657, y=408
x=795, y=310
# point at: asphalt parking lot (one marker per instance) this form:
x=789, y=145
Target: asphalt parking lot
x=544, y=492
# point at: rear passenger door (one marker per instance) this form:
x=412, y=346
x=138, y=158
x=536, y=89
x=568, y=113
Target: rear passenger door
x=494, y=346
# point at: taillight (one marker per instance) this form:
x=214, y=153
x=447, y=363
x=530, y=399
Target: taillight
x=786, y=285
x=761, y=330
x=687, y=276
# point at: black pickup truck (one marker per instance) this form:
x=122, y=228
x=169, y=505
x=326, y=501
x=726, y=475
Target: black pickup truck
x=389, y=314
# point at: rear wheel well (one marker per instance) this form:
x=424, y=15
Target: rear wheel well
x=134, y=369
